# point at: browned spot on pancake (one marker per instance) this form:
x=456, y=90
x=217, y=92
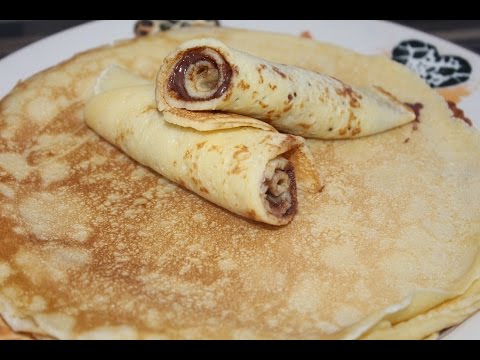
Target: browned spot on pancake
x=406, y=140
x=187, y=155
x=302, y=105
x=271, y=115
x=273, y=87
x=304, y=126
x=290, y=97
x=21, y=85
x=306, y=34
x=262, y=104
x=196, y=181
x=174, y=163
x=215, y=148
x=266, y=139
x=251, y=214
x=254, y=94
x=58, y=92
x=259, y=69
x=243, y=85
x=123, y=135
x=227, y=95
x=240, y=149
x=279, y=72
x=287, y=108
x=356, y=131
x=204, y=190
x=351, y=118
x=201, y=145
x=349, y=127
x=236, y=170
x=240, y=154
x=349, y=93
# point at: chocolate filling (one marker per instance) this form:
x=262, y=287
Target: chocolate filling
x=176, y=82
x=280, y=205
x=458, y=113
x=416, y=107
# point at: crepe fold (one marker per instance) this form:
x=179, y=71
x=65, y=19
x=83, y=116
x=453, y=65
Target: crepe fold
x=205, y=74
x=249, y=171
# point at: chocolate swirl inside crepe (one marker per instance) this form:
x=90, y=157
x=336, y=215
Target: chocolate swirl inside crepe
x=246, y=170
x=200, y=74
x=205, y=74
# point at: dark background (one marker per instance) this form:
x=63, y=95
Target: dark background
x=15, y=34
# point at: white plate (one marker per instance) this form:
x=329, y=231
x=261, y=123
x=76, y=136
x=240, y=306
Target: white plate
x=370, y=37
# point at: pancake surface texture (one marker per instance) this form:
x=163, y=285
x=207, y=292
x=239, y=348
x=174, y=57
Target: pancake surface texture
x=93, y=245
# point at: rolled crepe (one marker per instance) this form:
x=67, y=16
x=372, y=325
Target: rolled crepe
x=205, y=74
x=249, y=171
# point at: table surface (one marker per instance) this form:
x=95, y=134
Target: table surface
x=15, y=34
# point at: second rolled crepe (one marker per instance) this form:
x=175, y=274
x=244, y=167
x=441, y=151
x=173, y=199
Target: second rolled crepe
x=205, y=74
x=248, y=170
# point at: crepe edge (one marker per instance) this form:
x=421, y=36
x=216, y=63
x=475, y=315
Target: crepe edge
x=426, y=325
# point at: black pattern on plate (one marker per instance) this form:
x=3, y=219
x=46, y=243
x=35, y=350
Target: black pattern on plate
x=437, y=70
x=149, y=27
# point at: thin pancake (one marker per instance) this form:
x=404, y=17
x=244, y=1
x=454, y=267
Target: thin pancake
x=246, y=170
x=205, y=74
x=8, y=334
x=94, y=245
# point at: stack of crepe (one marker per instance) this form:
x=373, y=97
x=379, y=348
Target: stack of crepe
x=94, y=245
x=231, y=158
